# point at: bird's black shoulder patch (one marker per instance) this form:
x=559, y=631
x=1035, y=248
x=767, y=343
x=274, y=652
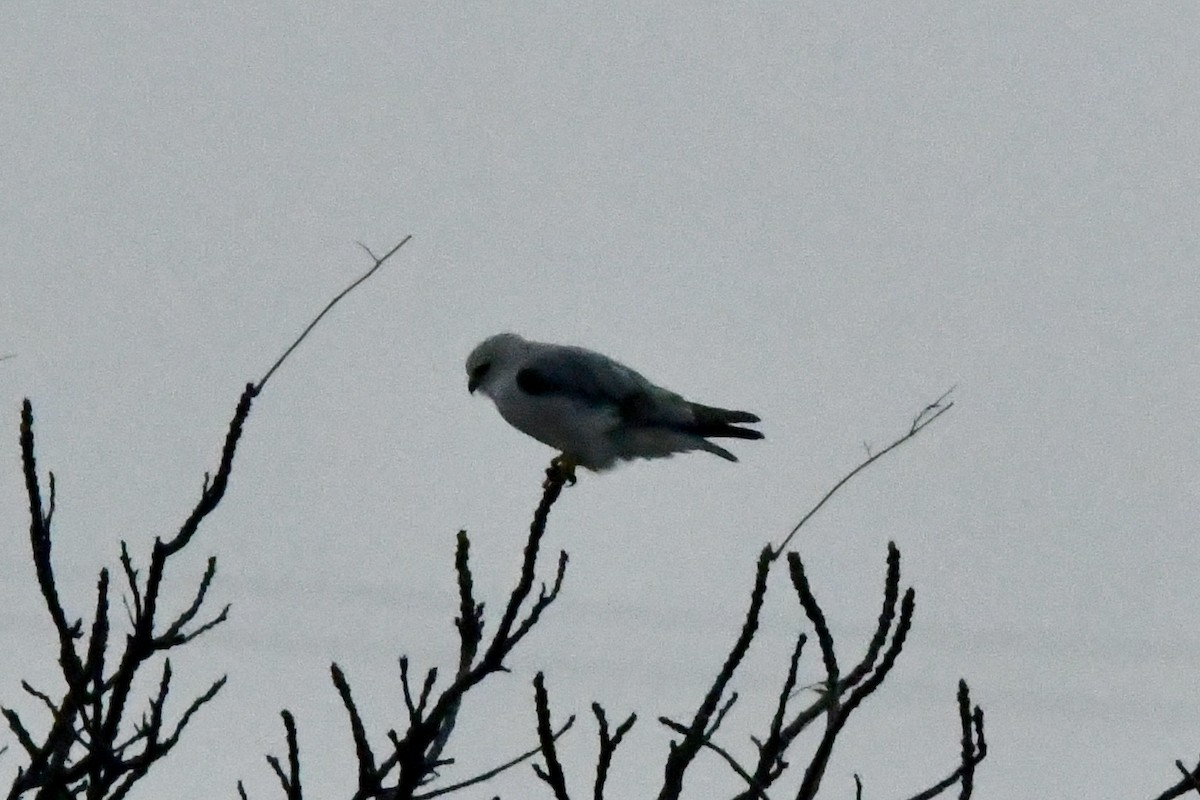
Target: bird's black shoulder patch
x=530, y=381
x=635, y=407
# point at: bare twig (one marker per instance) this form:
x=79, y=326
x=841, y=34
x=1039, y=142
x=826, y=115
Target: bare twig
x=891, y=588
x=39, y=536
x=1188, y=776
x=368, y=776
x=491, y=773
x=90, y=749
x=817, y=618
x=923, y=420
x=289, y=779
x=608, y=746
x=683, y=752
x=553, y=773
x=755, y=789
x=432, y=715
x=837, y=698
x=1188, y=783
x=470, y=616
x=973, y=751
x=785, y=694
x=379, y=260
x=968, y=741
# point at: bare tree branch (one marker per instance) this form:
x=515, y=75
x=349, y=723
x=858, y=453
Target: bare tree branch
x=289, y=779
x=973, y=751
x=922, y=421
x=432, y=711
x=553, y=773
x=491, y=773
x=379, y=261
x=683, y=752
x=431, y=716
x=608, y=746
x=755, y=789
x=1190, y=782
x=368, y=776
x=92, y=747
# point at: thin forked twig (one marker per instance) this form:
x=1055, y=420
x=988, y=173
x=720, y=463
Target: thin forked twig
x=491, y=773
x=724, y=754
x=433, y=718
x=968, y=741
x=378, y=263
x=608, y=746
x=1190, y=782
x=700, y=730
x=974, y=750
x=1189, y=778
x=923, y=420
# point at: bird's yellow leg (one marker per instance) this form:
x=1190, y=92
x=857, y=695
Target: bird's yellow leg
x=565, y=466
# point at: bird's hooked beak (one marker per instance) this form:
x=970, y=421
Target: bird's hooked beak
x=476, y=377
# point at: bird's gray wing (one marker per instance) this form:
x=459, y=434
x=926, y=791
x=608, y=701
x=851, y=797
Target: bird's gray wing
x=596, y=380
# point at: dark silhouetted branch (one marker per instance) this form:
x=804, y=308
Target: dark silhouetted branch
x=39, y=538
x=491, y=773
x=470, y=619
x=553, y=772
x=93, y=746
x=755, y=789
x=289, y=779
x=891, y=588
x=87, y=748
x=817, y=617
x=608, y=746
x=1188, y=783
x=837, y=711
x=431, y=712
x=368, y=775
x=411, y=769
x=837, y=696
x=684, y=751
x=968, y=740
x=973, y=750
x=1188, y=777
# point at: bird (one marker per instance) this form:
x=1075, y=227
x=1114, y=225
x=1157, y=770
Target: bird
x=595, y=411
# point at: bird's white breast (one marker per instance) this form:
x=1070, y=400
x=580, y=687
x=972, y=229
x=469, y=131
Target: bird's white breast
x=580, y=430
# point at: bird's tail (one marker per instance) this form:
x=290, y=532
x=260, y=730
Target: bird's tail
x=718, y=422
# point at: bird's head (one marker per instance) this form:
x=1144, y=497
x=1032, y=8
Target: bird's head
x=490, y=358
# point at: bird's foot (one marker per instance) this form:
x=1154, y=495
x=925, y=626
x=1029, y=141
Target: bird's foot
x=562, y=470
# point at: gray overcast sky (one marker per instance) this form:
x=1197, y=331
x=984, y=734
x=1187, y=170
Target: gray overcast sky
x=826, y=215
